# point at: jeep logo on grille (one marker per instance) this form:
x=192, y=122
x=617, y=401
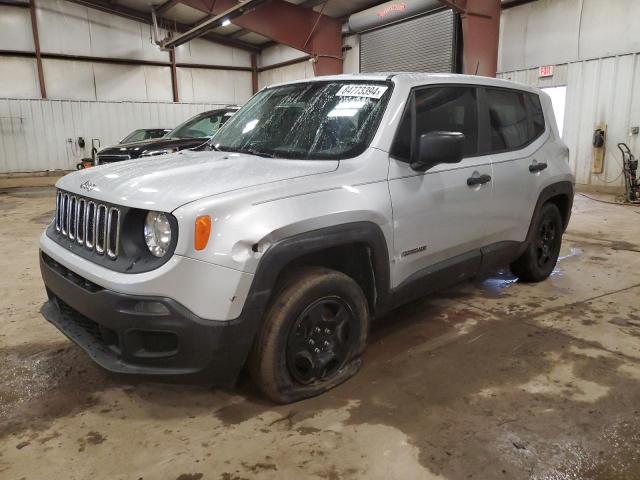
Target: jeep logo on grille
x=88, y=186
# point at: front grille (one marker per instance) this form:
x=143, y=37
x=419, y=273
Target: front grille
x=96, y=226
x=102, y=159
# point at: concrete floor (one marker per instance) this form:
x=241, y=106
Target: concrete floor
x=492, y=380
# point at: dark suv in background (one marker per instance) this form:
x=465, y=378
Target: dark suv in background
x=191, y=134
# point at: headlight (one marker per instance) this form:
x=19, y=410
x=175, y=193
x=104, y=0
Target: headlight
x=157, y=233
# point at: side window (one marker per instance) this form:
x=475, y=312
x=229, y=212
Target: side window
x=516, y=118
x=401, y=147
x=448, y=109
x=537, y=116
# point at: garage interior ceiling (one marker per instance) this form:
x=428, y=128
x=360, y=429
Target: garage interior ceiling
x=174, y=15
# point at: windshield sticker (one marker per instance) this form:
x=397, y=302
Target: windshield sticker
x=369, y=91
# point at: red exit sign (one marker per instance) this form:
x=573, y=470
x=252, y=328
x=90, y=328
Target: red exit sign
x=545, y=71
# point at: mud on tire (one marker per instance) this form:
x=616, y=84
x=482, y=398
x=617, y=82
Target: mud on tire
x=313, y=336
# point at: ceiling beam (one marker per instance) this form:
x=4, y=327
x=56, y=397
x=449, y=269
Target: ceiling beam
x=212, y=22
x=298, y=27
x=143, y=17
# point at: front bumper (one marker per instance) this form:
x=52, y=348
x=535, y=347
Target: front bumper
x=144, y=335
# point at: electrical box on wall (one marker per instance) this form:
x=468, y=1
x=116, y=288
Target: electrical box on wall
x=599, y=143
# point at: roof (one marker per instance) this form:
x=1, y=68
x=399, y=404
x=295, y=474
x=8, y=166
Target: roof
x=412, y=79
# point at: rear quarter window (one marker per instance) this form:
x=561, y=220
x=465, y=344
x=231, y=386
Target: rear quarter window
x=516, y=119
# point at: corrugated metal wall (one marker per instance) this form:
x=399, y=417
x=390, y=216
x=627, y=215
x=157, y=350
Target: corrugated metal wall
x=602, y=91
x=34, y=133
x=71, y=29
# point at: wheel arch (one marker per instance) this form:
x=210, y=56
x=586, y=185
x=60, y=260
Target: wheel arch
x=561, y=195
x=345, y=247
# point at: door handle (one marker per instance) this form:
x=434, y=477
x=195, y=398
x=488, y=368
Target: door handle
x=537, y=167
x=479, y=180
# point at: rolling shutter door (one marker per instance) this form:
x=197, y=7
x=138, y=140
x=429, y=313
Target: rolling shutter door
x=423, y=44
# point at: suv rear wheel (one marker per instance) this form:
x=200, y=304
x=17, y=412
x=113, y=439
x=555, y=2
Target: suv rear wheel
x=313, y=336
x=539, y=259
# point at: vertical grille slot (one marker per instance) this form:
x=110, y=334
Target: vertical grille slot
x=73, y=205
x=101, y=229
x=90, y=226
x=80, y=220
x=113, y=232
x=95, y=226
x=58, y=211
x=65, y=215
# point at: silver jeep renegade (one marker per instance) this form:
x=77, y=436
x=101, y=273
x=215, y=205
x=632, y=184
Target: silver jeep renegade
x=321, y=205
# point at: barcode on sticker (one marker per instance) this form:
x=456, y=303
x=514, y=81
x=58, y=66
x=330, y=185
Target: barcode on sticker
x=369, y=91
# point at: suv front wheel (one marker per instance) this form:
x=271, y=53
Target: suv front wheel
x=539, y=259
x=313, y=336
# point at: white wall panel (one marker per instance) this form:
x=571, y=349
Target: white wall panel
x=71, y=80
x=278, y=54
x=119, y=82
x=113, y=36
x=550, y=32
x=351, y=62
x=609, y=28
x=15, y=29
x=63, y=27
x=297, y=71
x=158, y=83
x=34, y=133
x=185, y=84
x=18, y=78
x=215, y=86
x=206, y=53
x=603, y=91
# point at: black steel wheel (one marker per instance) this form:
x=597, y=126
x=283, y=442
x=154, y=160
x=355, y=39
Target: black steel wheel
x=546, y=241
x=320, y=340
x=542, y=250
x=314, y=333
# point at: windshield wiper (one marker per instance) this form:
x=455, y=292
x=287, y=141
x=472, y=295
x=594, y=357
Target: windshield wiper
x=258, y=153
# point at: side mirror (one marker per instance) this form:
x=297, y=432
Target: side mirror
x=438, y=147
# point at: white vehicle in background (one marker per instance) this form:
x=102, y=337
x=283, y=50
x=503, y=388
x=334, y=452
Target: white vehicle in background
x=327, y=203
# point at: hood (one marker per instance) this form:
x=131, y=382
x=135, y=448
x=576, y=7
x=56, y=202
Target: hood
x=135, y=149
x=166, y=182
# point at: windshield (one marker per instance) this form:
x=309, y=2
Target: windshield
x=142, y=134
x=134, y=137
x=200, y=126
x=319, y=120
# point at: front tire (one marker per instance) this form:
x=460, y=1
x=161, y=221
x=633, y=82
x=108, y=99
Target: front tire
x=314, y=333
x=541, y=255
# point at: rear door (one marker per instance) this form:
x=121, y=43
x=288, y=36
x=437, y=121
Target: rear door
x=439, y=220
x=514, y=132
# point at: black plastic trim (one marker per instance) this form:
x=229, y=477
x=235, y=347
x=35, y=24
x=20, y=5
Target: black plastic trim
x=214, y=351
x=286, y=250
x=565, y=189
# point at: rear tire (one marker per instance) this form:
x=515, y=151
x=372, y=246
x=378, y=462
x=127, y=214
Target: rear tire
x=541, y=255
x=314, y=333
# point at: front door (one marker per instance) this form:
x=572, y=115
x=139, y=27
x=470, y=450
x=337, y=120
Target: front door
x=439, y=215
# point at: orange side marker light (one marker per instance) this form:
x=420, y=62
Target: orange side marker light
x=202, y=232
